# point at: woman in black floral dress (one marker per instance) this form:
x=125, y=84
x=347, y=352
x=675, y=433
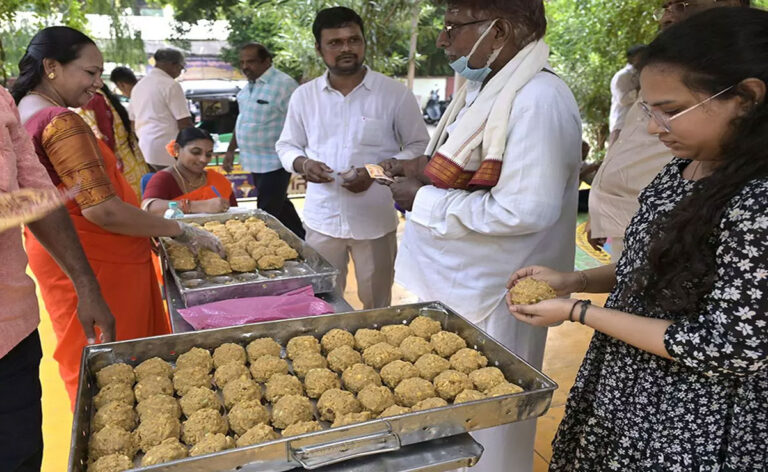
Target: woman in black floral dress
x=676, y=376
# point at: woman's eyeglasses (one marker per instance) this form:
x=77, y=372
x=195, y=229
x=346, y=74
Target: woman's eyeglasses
x=665, y=120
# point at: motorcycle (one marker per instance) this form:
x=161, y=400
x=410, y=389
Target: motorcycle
x=435, y=108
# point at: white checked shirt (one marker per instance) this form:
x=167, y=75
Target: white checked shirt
x=263, y=105
x=379, y=119
x=157, y=102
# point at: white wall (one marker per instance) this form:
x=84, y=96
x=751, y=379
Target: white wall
x=423, y=85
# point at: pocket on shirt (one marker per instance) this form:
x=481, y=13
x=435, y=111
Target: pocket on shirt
x=374, y=131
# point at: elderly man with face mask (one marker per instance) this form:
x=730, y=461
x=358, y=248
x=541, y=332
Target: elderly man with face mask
x=497, y=188
x=346, y=118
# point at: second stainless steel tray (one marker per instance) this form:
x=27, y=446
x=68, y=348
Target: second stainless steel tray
x=332, y=445
x=310, y=269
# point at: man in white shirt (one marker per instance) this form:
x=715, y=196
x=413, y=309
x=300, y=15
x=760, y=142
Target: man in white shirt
x=625, y=86
x=337, y=123
x=503, y=199
x=159, y=109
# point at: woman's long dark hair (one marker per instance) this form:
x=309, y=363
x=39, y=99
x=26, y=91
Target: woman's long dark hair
x=121, y=111
x=715, y=49
x=61, y=43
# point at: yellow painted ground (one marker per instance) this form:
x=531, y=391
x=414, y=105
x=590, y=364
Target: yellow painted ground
x=57, y=417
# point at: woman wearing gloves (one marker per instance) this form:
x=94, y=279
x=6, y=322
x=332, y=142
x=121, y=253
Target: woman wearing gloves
x=61, y=68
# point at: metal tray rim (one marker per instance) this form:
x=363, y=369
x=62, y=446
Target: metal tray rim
x=327, y=272
x=547, y=385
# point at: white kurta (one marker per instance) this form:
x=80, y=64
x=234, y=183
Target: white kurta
x=460, y=247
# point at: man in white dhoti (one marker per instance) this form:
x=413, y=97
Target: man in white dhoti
x=497, y=189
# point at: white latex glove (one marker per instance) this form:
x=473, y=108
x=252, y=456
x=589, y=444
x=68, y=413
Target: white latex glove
x=196, y=239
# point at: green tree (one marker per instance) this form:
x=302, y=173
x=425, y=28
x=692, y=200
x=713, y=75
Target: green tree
x=431, y=59
x=123, y=46
x=589, y=39
x=286, y=28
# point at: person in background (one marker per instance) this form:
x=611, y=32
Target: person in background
x=263, y=105
x=159, y=108
x=110, y=122
x=337, y=123
x=21, y=418
x=124, y=79
x=625, y=86
x=497, y=188
x=197, y=189
x=636, y=156
x=676, y=375
x=61, y=69
x=586, y=175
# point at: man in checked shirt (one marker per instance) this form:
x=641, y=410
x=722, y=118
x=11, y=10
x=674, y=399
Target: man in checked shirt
x=263, y=105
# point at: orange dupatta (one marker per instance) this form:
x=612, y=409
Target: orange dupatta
x=213, y=179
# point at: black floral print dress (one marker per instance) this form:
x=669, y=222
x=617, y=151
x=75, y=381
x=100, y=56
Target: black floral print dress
x=630, y=410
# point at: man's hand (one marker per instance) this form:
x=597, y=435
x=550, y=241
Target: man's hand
x=360, y=183
x=57, y=235
x=393, y=167
x=229, y=161
x=596, y=243
x=92, y=311
x=404, y=191
x=316, y=171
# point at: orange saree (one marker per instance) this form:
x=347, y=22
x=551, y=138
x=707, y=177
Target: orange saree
x=122, y=264
x=213, y=179
x=163, y=185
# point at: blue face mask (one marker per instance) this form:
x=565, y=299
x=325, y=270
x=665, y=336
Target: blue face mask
x=461, y=65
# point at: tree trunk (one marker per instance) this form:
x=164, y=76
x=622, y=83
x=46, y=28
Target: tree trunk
x=414, y=42
x=2, y=61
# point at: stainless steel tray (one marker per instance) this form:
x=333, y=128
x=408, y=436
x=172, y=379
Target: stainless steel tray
x=197, y=288
x=333, y=445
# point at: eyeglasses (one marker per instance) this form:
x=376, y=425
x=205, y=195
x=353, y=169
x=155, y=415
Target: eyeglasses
x=338, y=44
x=665, y=121
x=676, y=8
x=449, y=28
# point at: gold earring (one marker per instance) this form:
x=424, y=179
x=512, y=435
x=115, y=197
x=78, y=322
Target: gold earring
x=51, y=76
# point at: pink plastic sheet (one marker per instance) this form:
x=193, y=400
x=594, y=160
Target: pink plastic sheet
x=294, y=304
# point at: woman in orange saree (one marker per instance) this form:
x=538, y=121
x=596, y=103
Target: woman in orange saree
x=197, y=189
x=62, y=68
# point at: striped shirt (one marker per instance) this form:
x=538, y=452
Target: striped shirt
x=263, y=105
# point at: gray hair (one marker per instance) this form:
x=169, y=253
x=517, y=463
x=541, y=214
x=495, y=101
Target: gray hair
x=169, y=56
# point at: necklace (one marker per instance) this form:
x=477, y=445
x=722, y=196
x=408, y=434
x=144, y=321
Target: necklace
x=695, y=170
x=188, y=187
x=45, y=97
